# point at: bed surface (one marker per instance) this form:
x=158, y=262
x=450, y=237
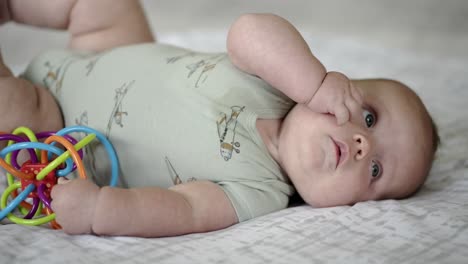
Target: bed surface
x=431, y=227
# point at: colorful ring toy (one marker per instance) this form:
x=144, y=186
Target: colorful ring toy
x=35, y=178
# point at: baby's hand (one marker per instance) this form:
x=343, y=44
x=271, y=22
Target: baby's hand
x=73, y=203
x=336, y=96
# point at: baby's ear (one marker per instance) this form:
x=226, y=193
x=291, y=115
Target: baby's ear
x=4, y=70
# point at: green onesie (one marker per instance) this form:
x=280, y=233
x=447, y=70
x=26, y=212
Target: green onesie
x=173, y=116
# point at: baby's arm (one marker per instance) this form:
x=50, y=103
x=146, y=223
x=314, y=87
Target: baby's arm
x=270, y=47
x=93, y=25
x=147, y=212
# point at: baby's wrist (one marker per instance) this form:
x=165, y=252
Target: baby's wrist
x=5, y=15
x=93, y=207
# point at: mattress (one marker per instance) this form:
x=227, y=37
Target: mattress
x=430, y=227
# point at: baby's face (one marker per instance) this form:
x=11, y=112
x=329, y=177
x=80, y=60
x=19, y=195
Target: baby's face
x=383, y=152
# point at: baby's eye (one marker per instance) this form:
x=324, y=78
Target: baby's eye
x=376, y=169
x=369, y=118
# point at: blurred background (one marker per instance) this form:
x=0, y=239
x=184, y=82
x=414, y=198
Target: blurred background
x=427, y=25
x=422, y=26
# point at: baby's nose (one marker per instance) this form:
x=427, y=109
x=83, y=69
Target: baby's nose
x=361, y=146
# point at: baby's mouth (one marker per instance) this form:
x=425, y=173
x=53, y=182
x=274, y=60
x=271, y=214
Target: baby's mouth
x=341, y=151
x=338, y=155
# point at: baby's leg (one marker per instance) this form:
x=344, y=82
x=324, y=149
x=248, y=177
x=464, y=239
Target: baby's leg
x=93, y=25
x=24, y=104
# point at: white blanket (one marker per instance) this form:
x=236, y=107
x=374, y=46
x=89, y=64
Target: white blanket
x=429, y=227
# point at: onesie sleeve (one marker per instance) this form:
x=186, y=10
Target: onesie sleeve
x=49, y=69
x=253, y=199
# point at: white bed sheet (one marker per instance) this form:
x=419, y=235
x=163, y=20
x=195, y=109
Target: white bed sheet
x=431, y=227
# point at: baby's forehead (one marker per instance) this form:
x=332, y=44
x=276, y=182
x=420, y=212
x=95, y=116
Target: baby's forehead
x=392, y=97
x=413, y=154
x=386, y=87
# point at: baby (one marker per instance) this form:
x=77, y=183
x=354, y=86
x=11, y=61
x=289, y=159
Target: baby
x=207, y=140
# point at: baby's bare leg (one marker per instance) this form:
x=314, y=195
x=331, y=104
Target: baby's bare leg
x=24, y=104
x=93, y=25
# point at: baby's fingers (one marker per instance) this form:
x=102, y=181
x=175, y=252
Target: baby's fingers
x=59, y=192
x=62, y=180
x=341, y=114
x=55, y=194
x=354, y=99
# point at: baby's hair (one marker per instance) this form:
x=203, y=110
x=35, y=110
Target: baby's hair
x=436, y=142
x=434, y=129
